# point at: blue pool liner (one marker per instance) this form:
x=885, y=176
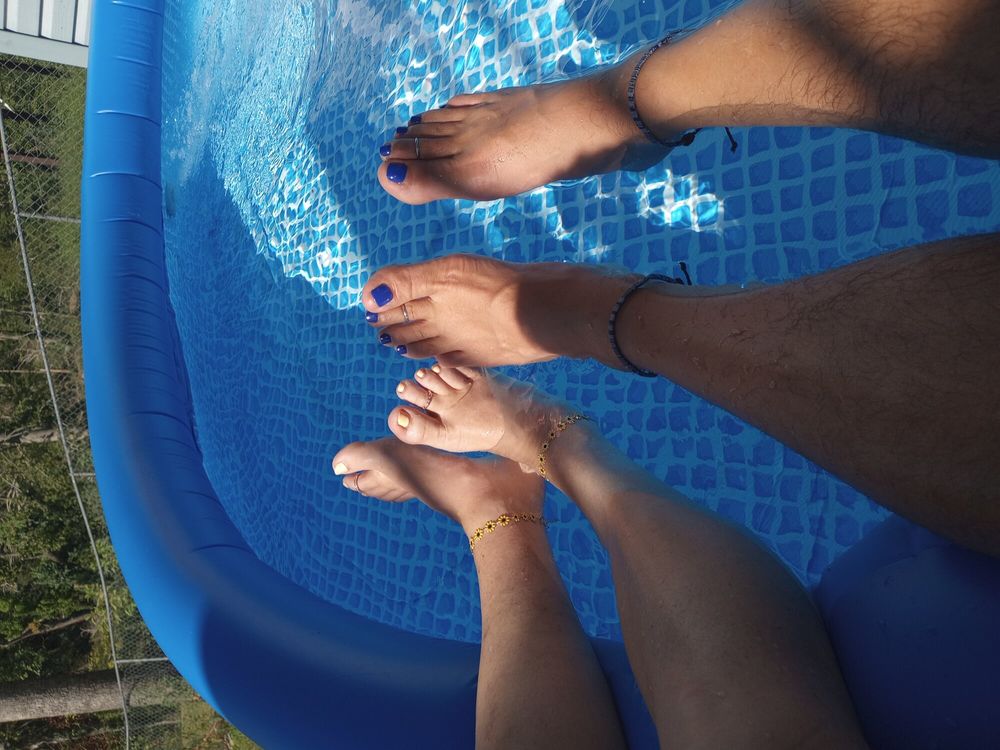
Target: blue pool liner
x=913, y=618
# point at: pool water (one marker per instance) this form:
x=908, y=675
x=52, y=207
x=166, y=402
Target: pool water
x=272, y=118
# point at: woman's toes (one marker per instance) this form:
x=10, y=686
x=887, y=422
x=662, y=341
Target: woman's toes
x=455, y=359
x=377, y=485
x=456, y=379
x=417, y=181
x=415, y=394
x=360, y=456
x=416, y=427
x=472, y=373
x=431, y=380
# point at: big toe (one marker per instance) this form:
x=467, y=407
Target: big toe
x=360, y=456
x=418, y=428
x=417, y=181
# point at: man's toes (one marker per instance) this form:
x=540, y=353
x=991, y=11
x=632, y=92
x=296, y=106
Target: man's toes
x=418, y=309
x=417, y=181
x=407, y=333
x=441, y=114
x=420, y=146
x=420, y=397
x=426, y=349
x=435, y=130
x=470, y=100
x=416, y=428
x=390, y=287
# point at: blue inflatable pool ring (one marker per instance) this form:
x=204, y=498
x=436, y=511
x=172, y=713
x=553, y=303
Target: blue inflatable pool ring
x=913, y=618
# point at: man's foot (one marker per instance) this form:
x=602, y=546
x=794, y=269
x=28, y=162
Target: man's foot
x=501, y=143
x=470, y=491
x=464, y=410
x=475, y=311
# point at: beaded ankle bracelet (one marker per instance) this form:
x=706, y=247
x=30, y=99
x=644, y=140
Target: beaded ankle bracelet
x=687, y=138
x=613, y=320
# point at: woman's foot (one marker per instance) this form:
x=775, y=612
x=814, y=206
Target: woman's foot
x=501, y=143
x=470, y=491
x=476, y=311
x=465, y=410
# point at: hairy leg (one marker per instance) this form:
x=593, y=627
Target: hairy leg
x=539, y=681
x=725, y=645
x=884, y=372
x=920, y=69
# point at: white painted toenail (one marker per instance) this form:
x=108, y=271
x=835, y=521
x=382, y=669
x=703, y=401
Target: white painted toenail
x=436, y=368
x=403, y=420
x=421, y=373
x=340, y=468
x=400, y=388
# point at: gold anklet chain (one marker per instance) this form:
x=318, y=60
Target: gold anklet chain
x=561, y=425
x=504, y=519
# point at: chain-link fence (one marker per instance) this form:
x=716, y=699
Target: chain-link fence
x=78, y=668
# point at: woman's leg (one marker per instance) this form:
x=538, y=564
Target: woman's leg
x=540, y=685
x=918, y=69
x=725, y=644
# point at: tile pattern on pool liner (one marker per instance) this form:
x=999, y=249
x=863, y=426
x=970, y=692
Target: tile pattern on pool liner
x=302, y=374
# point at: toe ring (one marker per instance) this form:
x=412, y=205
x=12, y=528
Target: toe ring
x=416, y=146
x=357, y=487
x=430, y=397
x=406, y=314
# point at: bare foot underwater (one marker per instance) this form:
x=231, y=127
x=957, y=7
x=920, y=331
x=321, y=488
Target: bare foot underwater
x=901, y=68
x=758, y=669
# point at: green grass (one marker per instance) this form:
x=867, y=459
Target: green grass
x=46, y=133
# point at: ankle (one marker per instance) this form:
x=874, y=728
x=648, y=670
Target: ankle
x=599, y=293
x=659, y=110
x=522, y=442
x=517, y=530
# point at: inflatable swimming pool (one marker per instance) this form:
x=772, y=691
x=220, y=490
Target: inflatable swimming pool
x=230, y=218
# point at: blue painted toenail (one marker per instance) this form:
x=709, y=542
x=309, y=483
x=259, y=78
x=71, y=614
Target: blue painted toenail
x=401, y=131
x=396, y=172
x=382, y=295
x=401, y=348
x=385, y=338
x=415, y=120
x=385, y=149
x=371, y=317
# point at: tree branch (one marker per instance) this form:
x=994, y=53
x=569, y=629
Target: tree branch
x=68, y=623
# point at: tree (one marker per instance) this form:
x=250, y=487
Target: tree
x=88, y=693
